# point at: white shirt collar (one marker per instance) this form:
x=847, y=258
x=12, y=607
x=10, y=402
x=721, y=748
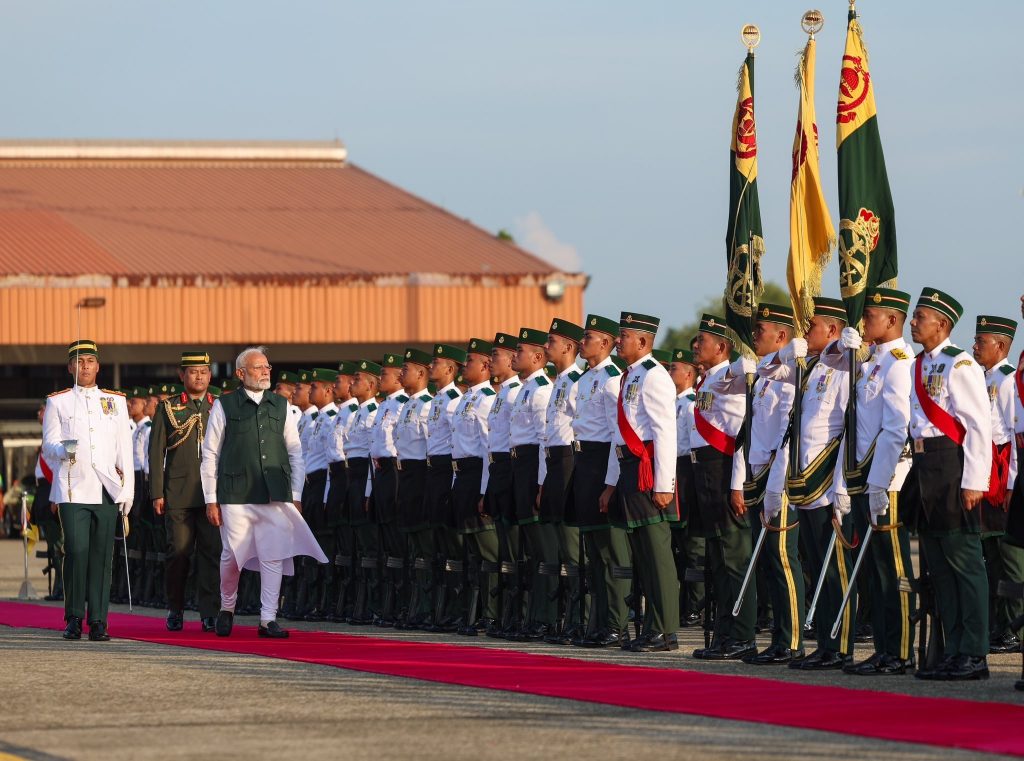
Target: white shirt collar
x=256, y=396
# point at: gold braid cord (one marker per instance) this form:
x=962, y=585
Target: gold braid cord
x=184, y=430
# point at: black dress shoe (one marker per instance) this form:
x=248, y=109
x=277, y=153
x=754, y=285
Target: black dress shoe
x=209, y=623
x=225, y=621
x=702, y=653
x=690, y=619
x=98, y=632
x=829, y=660
x=868, y=667
x=469, y=630
x=53, y=596
x=1019, y=685
x=964, y=668
x=606, y=638
x=656, y=643
x=73, y=630
x=558, y=637
x=531, y=633
x=273, y=631
x=812, y=658
x=774, y=655
x=1006, y=643
x=175, y=620
x=732, y=651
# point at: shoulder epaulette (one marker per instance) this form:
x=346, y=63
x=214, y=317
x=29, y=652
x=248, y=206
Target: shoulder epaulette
x=612, y=371
x=691, y=397
x=331, y=413
x=58, y=393
x=487, y=391
x=314, y=415
x=1007, y=369
x=353, y=407
x=899, y=353
x=541, y=380
x=514, y=384
x=424, y=397
x=649, y=364
x=147, y=424
x=965, y=362
x=371, y=406
x=402, y=398
x=953, y=351
x=453, y=393
x=113, y=391
x=574, y=376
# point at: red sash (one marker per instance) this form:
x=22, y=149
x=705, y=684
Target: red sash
x=937, y=416
x=645, y=477
x=1019, y=378
x=720, y=440
x=47, y=471
x=1000, y=474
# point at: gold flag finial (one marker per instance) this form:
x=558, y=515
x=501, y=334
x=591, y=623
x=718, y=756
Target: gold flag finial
x=750, y=35
x=812, y=22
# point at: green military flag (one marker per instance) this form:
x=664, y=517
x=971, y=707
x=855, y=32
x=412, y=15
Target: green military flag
x=744, y=244
x=867, y=225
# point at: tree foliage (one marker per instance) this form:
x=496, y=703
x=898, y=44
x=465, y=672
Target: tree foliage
x=680, y=337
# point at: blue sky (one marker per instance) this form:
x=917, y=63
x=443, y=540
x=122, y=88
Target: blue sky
x=593, y=129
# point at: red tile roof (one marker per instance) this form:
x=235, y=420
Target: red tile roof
x=182, y=212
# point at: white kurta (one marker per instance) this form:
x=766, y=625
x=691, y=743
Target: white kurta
x=254, y=532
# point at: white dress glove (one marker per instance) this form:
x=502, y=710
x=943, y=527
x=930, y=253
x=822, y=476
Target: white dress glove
x=772, y=505
x=742, y=367
x=841, y=505
x=125, y=508
x=878, y=503
x=850, y=339
x=795, y=349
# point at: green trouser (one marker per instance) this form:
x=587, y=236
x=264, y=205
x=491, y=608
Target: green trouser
x=88, y=557
x=484, y=545
x=569, y=555
x=784, y=579
x=543, y=543
x=510, y=550
x=961, y=590
x=450, y=544
x=1013, y=570
x=368, y=546
x=765, y=609
x=887, y=562
x=691, y=547
x=612, y=547
x=423, y=548
x=994, y=571
x=188, y=530
x=658, y=579
x=598, y=592
x=728, y=556
x=816, y=526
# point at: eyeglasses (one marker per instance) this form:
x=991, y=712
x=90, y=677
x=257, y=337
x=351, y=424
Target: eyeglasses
x=259, y=368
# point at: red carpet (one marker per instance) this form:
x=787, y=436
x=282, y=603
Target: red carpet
x=946, y=722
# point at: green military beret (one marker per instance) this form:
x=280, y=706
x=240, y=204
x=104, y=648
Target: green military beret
x=324, y=375
x=230, y=384
x=781, y=314
x=214, y=390
x=479, y=346
x=305, y=376
x=826, y=307
x=637, y=321
x=532, y=337
x=888, y=298
x=459, y=380
x=566, y=329
x=194, y=358
x=446, y=351
x=138, y=392
x=348, y=367
x=392, y=360
x=664, y=356
x=162, y=388
x=418, y=356
x=175, y=388
x=684, y=355
x=619, y=362
x=368, y=367
x=83, y=346
x=1002, y=326
x=602, y=325
x=286, y=376
x=941, y=302
x=713, y=324
x=505, y=341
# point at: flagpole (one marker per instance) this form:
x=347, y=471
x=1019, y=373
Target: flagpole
x=851, y=405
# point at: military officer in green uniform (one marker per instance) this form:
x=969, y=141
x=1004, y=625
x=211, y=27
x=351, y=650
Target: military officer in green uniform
x=176, y=488
x=86, y=432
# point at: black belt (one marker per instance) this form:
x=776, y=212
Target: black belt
x=356, y=461
x=403, y=464
x=467, y=463
x=499, y=456
x=438, y=459
x=590, y=446
x=560, y=450
x=706, y=454
x=934, y=444
x=524, y=450
x=385, y=463
x=623, y=452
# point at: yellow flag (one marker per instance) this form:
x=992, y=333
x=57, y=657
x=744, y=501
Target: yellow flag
x=811, y=233
x=31, y=534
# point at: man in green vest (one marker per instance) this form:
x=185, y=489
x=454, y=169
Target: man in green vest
x=252, y=475
x=175, y=447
